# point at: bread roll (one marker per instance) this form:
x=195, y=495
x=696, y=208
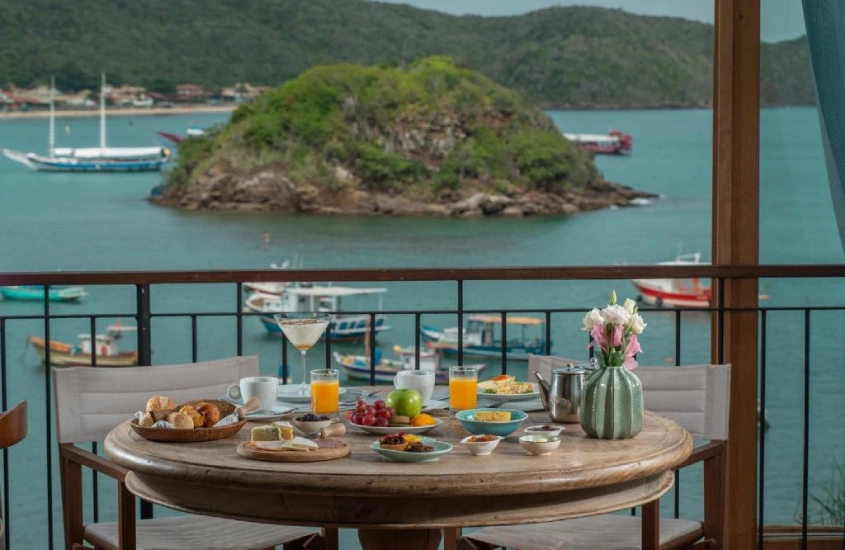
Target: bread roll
x=196, y=417
x=147, y=421
x=158, y=402
x=181, y=421
x=210, y=413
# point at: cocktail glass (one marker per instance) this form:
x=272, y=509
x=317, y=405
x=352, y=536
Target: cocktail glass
x=303, y=330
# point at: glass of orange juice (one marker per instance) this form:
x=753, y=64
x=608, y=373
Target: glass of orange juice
x=463, y=388
x=325, y=387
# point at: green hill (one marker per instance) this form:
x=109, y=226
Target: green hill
x=429, y=137
x=565, y=57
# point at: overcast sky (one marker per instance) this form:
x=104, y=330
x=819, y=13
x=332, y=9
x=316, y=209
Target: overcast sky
x=781, y=19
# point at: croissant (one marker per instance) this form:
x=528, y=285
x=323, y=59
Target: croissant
x=180, y=421
x=210, y=413
x=196, y=417
x=158, y=402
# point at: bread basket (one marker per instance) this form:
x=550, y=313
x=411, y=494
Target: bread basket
x=167, y=435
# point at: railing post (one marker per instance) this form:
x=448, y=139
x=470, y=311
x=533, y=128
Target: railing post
x=735, y=230
x=142, y=310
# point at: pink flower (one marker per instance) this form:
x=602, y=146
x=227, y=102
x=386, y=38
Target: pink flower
x=632, y=349
x=617, y=336
x=599, y=336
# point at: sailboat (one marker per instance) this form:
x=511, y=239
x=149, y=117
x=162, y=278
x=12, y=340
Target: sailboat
x=91, y=159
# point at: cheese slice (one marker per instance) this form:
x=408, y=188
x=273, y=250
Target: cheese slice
x=295, y=444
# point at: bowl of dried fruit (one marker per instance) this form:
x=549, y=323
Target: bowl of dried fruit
x=481, y=445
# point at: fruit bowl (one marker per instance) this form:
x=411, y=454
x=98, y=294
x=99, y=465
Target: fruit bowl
x=501, y=427
x=385, y=430
x=440, y=449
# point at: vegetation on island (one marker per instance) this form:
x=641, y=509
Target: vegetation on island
x=558, y=57
x=430, y=130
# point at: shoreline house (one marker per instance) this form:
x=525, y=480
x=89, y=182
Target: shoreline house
x=191, y=93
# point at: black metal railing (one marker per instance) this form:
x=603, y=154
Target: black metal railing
x=144, y=315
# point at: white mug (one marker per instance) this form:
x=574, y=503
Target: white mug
x=262, y=387
x=420, y=380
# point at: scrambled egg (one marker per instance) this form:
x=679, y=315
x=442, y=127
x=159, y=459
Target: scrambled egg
x=505, y=385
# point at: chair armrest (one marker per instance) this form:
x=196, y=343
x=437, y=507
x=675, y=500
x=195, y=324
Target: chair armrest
x=703, y=452
x=95, y=462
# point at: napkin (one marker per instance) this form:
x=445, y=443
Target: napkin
x=225, y=421
x=159, y=424
x=228, y=420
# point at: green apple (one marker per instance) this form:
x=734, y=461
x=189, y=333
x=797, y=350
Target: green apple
x=405, y=402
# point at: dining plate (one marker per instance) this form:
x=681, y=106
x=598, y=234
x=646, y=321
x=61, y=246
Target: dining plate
x=395, y=429
x=289, y=393
x=505, y=398
x=267, y=416
x=440, y=449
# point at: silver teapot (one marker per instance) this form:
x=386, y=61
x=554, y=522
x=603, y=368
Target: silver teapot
x=561, y=396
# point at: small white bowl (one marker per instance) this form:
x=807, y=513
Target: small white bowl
x=540, y=444
x=535, y=430
x=480, y=448
x=311, y=427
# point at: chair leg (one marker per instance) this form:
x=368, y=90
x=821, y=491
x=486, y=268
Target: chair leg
x=651, y=526
x=125, y=518
x=71, y=476
x=451, y=536
x=310, y=542
x=331, y=540
x=468, y=544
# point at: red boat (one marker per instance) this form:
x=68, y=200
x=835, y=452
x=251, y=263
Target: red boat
x=675, y=292
x=614, y=143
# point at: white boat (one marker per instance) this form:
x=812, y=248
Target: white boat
x=273, y=288
x=358, y=366
x=308, y=298
x=676, y=292
x=612, y=143
x=91, y=159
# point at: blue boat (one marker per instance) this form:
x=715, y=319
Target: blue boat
x=305, y=298
x=35, y=293
x=482, y=338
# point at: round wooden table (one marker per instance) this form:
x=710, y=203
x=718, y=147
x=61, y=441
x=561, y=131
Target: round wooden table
x=583, y=477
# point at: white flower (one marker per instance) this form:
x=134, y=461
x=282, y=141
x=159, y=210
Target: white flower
x=636, y=324
x=616, y=315
x=592, y=318
x=629, y=306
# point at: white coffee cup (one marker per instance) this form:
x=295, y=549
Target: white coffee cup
x=420, y=380
x=262, y=387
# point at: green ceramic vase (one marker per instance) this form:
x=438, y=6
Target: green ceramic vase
x=612, y=404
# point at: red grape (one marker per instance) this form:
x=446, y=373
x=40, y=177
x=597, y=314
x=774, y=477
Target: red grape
x=381, y=422
x=361, y=404
x=384, y=413
x=368, y=420
x=358, y=418
x=371, y=410
x=349, y=414
x=379, y=405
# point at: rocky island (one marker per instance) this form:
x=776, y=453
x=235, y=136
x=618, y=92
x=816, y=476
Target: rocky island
x=426, y=139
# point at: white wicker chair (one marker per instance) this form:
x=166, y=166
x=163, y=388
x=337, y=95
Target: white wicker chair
x=697, y=398
x=92, y=401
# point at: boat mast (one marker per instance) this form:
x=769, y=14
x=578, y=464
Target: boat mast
x=52, y=145
x=102, y=110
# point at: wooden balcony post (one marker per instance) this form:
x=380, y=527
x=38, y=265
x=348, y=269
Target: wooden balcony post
x=736, y=130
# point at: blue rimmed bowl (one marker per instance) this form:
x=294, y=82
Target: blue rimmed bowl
x=496, y=427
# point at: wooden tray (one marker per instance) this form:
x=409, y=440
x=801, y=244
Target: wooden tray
x=166, y=435
x=245, y=450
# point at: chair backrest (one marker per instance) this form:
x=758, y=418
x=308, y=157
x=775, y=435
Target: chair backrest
x=92, y=401
x=545, y=364
x=13, y=425
x=696, y=397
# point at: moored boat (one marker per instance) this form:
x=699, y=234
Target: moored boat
x=482, y=338
x=272, y=288
x=676, y=292
x=91, y=159
x=612, y=143
x=105, y=348
x=35, y=293
x=307, y=298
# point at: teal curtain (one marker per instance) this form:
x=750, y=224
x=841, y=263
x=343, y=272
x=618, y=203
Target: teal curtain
x=825, y=20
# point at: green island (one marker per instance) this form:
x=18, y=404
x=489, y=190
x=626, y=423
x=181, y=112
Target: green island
x=427, y=138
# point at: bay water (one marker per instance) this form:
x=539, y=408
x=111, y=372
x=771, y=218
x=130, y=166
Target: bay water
x=80, y=222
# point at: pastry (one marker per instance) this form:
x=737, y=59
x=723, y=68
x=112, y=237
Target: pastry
x=285, y=429
x=159, y=402
x=180, y=421
x=147, y=421
x=196, y=417
x=209, y=412
x=265, y=433
x=394, y=442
